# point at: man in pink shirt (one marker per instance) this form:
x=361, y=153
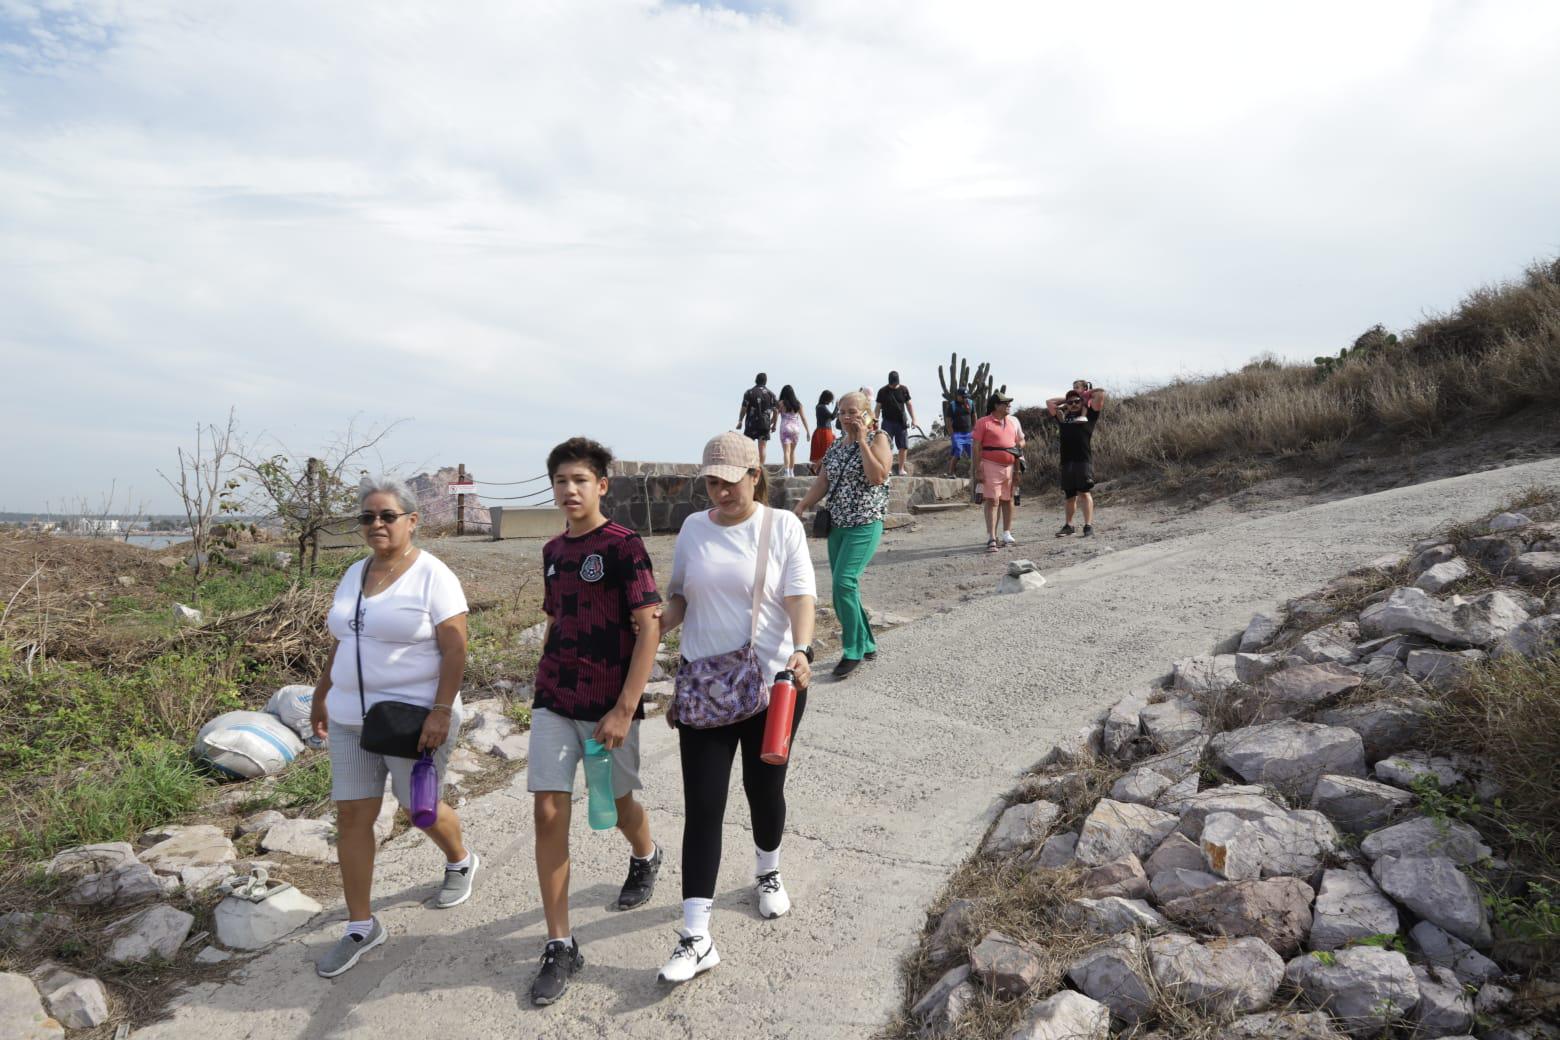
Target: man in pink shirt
x=998, y=443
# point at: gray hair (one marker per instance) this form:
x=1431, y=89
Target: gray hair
x=387, y=485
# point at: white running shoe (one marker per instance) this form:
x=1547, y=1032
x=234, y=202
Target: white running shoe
x=694, y=954
x=1008, y=539
x=772, y=900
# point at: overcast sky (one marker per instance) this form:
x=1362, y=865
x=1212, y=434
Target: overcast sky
x=514, y=222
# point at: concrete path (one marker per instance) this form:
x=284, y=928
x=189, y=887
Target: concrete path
x=894, y=778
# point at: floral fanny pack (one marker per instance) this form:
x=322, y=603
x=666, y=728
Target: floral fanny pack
x=725, y=688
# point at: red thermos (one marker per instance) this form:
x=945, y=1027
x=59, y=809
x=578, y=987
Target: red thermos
x=777, y=728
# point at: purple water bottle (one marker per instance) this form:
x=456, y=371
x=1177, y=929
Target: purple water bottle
x=425, y=792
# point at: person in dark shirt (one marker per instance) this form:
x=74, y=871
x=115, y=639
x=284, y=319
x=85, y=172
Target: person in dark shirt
x=603, y=628
x=959, y=416
x=823, y=429
x=759, y=414
x=1078, y=417
x=895, y=414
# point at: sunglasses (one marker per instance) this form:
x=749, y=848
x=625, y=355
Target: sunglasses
x=385, y=516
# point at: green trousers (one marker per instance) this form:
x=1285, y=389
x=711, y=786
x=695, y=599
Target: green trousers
x=850, y=550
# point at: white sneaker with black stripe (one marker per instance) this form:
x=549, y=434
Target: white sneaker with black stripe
x=772, y=899
x=694, y=954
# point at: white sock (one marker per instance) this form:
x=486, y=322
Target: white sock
x=696, y=915
x=360, y=929
x=567, y=940
x=462, y=865
x=645, y=859
x=766, y=861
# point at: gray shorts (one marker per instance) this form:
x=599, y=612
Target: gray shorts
x=558, y=745
x=355, y=773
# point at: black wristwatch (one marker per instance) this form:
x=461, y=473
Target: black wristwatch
x=805, y=651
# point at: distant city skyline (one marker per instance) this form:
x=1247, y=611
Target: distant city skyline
x=513, y=223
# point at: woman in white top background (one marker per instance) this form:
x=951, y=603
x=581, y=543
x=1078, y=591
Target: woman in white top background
x=399, y=620
x=711, y=595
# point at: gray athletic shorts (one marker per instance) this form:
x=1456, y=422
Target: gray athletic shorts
x=355, y=773
x=558, y=745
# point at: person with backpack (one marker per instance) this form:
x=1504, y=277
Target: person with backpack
x=757, y=419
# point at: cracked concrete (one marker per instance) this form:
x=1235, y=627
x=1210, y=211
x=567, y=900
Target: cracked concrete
x=895, y=777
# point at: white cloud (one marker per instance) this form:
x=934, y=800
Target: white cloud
x=519, y=222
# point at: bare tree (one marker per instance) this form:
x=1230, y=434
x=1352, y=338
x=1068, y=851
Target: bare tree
x=307, y=495
x=206, y=485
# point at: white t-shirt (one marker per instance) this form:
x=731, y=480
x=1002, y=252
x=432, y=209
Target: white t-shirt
x=712, y=568
x=400, y=652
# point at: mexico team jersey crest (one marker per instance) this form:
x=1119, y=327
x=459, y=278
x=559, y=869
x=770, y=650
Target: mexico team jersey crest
x=592, y=569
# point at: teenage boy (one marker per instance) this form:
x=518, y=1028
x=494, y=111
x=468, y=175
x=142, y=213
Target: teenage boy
x=598, y=591
x=1078, y=417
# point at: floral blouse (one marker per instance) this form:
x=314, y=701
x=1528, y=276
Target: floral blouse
x=852, y=501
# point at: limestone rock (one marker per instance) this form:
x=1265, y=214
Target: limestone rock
x=1437, y=579
x=1176, y=852
x=1177, y=882
x=1366, y=988
x=1494, y=551
x=1443, y=1009
x=1208, y=673
x=127, y=885
x=1433, y=888
x=1066, y=1016
x=1423, y=836
x=1427, y=558
x=1259, y=633
x=1386, y=726
x=1115, y=829
x=1120, y=877
x=1059, y=850
x=1253, y=668
x=1243, y=800
x=1173, y=797
x=212, y=955
x=1509, y=521
x=1348, y=907
x=196, y=880
x=244, y=925
x=943, y=1005
x=955, y=929
x=1121, y=730
x=309, y=839
x=1283, y=1025
x=1007, y=967
x=1291, y=756
x=1358, y=806
x=1330, y=644
x=1140, y=787
x=1277, y=911
x=83, y=860
x=156, y=932
x=1441, y=948
x=259, y=823
x=1114, y=974
x=1441, y=668
x=199, y=846
x=1533, y=638
x=1021, y=827
x=24, y=929
x=1300, y=688
x=23, y=1017
x=1294, y=844
x=187, y=615
x=77, y=1001
x=1460, y=622
x=1409, y=768
x=1172, y=723
x=1114, y=916
x=1217, y=977
x=1029, y=581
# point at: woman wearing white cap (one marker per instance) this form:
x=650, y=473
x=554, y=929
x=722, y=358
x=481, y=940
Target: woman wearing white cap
x=743, y=590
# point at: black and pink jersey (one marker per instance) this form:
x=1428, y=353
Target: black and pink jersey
x=593, y=583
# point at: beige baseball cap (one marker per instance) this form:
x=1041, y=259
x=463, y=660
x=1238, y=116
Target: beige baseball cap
x=729, y=457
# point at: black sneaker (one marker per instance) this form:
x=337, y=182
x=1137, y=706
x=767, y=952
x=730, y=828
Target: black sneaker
x=641, y=880
x=1088, y=529
x=1066, y=530
x=560, y=960
x=870, y=655
x=846, y=666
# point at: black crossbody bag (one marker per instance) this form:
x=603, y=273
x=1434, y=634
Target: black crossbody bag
x=391, y=728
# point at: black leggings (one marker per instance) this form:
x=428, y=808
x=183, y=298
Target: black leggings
x=707, y=755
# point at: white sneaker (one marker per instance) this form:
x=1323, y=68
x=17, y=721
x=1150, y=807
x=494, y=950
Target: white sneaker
x=772, y=900
x=1008, y=539
x=694, y=954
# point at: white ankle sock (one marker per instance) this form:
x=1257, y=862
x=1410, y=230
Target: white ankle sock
x=645, y=859
x=696, y=915
x=567, y=940
x=360, y=928
x=462, y=865
x=765, y=861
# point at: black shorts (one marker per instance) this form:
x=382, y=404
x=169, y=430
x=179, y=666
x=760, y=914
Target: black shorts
x=898, y=432
x=757, y=433
x=1076, y=477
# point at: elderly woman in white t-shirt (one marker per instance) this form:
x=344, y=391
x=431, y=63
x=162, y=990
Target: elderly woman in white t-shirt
x=399, y=620
x=710, y=595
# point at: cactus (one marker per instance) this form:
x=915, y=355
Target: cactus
x=1372, y=339
x=980, y=387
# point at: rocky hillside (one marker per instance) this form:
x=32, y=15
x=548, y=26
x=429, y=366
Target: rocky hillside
x=1342, y=823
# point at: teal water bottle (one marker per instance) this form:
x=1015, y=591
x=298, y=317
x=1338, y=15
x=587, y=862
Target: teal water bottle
x=598, y=778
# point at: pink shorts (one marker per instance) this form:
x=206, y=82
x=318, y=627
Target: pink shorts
x=996, y=481
x=790, y=429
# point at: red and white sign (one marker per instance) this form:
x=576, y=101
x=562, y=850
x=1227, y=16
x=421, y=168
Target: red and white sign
x=463, y=489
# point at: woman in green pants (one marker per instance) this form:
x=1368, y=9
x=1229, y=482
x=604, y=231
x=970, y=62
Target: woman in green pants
x=854, y=475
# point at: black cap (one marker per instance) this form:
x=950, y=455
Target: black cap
x=893, y=377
